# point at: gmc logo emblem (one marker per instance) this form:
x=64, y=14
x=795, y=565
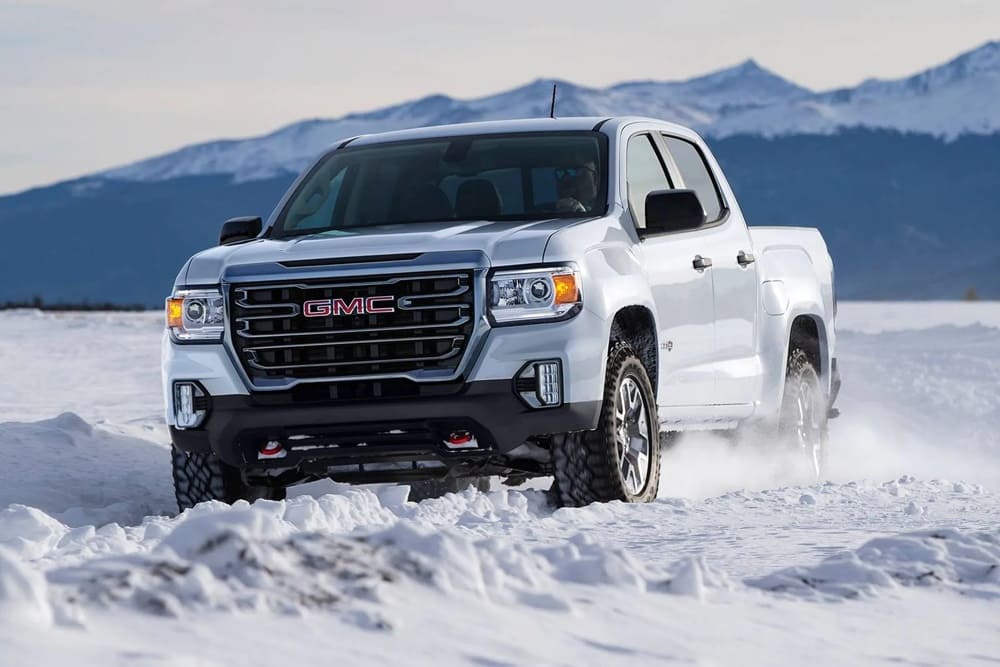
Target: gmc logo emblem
x=356, y=306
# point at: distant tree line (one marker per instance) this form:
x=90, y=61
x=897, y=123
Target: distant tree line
x=38, y=303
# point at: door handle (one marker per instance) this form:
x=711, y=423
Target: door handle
x=701, y=263
x=745, y=258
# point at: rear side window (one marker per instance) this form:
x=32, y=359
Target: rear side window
x=644, y=174
x=696, y=174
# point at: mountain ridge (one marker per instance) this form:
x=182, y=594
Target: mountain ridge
x=960, y=96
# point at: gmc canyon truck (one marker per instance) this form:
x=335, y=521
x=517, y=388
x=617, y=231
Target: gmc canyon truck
x=517, y=299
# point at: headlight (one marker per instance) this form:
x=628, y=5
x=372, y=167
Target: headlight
x=196, y=315
x=532, y=295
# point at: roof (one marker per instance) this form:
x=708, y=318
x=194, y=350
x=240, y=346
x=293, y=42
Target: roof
x=578, y=123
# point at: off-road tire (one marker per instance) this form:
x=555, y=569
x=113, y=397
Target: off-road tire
x=435, y=488
x=587, y=464
x=808, y=441
x=199, y=477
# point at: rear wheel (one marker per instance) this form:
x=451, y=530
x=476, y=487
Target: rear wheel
x=802, y=423
x=435, y=488
x=620, y=460
x=199, y=477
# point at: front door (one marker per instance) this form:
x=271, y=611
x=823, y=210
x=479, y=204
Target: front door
x=683, y=293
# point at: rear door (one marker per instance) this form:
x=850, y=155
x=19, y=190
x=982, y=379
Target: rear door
x=682, y=293
x=734, y=278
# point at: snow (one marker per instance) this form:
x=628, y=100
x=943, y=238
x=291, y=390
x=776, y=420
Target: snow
x=874, y=317
x=61, y=362
x=895, y=558
x=23, y=593
x=968, y=563
x=67, y=442
x=956, y=98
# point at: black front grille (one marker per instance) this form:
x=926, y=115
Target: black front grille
x=428, y=329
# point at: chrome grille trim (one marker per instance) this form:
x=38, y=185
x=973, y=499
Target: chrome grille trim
x=464, y=319
x=361, y=283
x=380, y=341
x=448, y=355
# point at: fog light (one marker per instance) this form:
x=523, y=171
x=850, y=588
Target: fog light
x=190, y=405
x=539, y=384
x=549, y=382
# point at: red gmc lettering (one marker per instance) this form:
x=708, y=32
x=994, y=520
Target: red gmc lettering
x=317, y=308
x=372, y=308
x=356, y=306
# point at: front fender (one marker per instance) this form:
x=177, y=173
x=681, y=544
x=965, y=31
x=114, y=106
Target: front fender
x=612, y=273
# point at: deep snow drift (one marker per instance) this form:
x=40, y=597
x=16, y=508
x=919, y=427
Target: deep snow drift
x=896, y=558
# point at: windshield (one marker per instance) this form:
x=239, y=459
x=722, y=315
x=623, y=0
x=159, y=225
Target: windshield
x=530, y=176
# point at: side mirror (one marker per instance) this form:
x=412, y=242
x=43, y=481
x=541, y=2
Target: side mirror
x=673, y=211
x=240, y=229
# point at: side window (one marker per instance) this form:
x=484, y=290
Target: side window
x=644, y=174
x=696, y=174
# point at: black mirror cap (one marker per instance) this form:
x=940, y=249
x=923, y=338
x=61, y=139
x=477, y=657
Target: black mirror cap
x=673, y=211
x=235, y=230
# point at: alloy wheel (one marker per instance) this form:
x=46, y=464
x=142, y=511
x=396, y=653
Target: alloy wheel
x=632, y=434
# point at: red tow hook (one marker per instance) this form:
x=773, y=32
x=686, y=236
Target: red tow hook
x=272, y=450
x=461, y=440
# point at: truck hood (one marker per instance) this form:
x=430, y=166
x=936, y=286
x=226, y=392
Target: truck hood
x=503, y=243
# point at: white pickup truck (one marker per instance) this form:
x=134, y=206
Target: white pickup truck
x=516, y=299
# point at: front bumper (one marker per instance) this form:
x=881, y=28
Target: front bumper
x=319, y=434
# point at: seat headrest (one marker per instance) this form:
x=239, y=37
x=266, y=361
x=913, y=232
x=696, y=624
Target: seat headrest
x=477, y=198
x=425, y=202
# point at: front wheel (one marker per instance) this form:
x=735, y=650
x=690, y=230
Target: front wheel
x=620, y=460
x=199, y=477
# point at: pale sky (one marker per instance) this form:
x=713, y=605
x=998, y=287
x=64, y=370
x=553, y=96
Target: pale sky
x=91, y=84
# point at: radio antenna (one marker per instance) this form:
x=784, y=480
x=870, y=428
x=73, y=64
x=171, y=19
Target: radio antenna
x=552, y=107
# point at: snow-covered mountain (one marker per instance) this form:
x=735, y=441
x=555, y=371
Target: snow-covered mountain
x=959, y=97
x=698, y=102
